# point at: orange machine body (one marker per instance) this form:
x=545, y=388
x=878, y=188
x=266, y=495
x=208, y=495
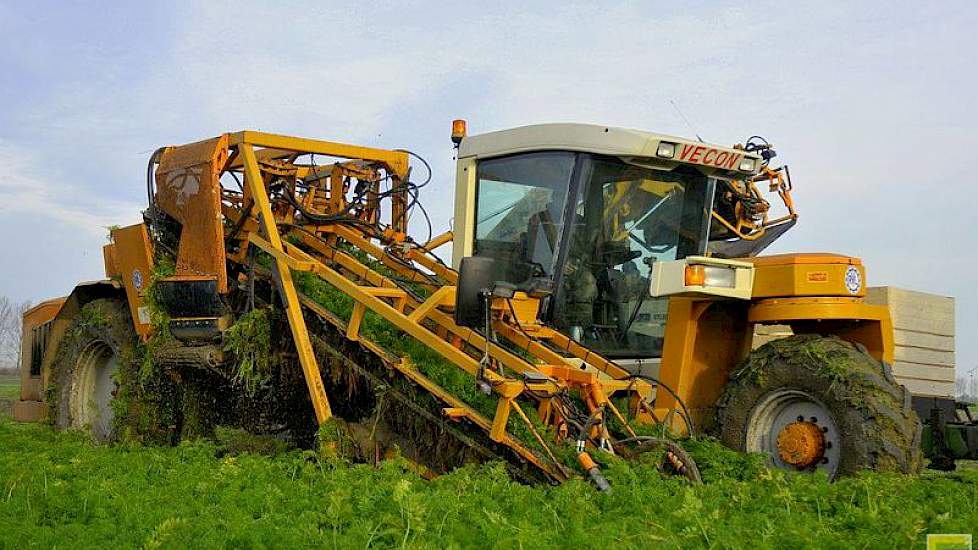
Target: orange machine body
x=706, y=338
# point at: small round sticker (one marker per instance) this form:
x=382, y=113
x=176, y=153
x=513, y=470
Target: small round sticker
x=137, y=279
x=854, y=281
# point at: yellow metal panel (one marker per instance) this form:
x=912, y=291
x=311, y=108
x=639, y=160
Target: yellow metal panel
x=802, y=308
x=849, y=318
x=134, y=261
x=30, y=411
x=108, y=258
x=41, y=313
x=190, y=154
x=188, y=189
x=704, y=340
x=804, y=258
x=805, y=275
x=525, y=308
x=32, y=318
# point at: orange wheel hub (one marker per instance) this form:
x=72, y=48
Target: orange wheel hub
x=801, y=444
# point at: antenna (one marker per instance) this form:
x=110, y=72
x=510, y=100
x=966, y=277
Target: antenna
x=686, y=120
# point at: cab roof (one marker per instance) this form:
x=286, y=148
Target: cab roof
x=593, y=138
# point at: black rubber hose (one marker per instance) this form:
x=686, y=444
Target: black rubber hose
x=686, y=415
x=154, y=159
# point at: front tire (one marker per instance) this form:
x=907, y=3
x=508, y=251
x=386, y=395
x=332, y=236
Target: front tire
x=812, y=402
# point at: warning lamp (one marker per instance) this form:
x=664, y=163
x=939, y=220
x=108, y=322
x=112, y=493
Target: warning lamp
x=695, y=275
x=458, y=131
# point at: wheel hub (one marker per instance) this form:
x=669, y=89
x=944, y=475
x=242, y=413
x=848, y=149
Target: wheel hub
x=795, y=430
x=801, y=444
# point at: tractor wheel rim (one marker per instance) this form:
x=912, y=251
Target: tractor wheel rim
x=795, y=431
x=92, y=390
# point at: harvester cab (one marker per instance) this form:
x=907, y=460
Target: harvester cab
x=594, y=209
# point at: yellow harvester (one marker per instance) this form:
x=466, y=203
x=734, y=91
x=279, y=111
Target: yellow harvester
x=604, y=290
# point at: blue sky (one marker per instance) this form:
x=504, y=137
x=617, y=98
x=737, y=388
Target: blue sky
x=871, y=103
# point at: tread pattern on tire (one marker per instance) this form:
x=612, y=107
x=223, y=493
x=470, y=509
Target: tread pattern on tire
x=880, y=430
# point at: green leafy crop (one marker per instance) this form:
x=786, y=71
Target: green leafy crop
x=60, y=490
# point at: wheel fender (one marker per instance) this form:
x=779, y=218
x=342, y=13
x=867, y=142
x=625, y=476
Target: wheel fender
x=81, y=295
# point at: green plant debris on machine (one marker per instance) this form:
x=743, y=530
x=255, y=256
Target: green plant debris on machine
x=249, y=340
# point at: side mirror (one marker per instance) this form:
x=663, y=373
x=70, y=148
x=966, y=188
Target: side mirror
x=476, y=278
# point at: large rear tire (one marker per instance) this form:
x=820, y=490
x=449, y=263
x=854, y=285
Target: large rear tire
x=812, y=402
x=84, y=374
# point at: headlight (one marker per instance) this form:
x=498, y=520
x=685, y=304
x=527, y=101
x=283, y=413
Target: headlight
x=718, y=276
x=710, y=276
x=702, y=276
x=747, y=165
x=666, y=150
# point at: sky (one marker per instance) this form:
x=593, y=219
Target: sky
x=872, y=104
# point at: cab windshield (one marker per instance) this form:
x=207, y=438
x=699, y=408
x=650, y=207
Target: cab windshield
x=594, y=225
x=626, y=218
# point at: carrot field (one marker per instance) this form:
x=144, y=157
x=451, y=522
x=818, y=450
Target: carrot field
x=59, y=490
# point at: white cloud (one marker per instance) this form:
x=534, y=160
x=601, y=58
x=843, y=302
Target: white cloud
x=27, y=187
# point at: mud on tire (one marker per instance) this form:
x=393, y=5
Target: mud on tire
x=877, y=427
x=99, y=342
